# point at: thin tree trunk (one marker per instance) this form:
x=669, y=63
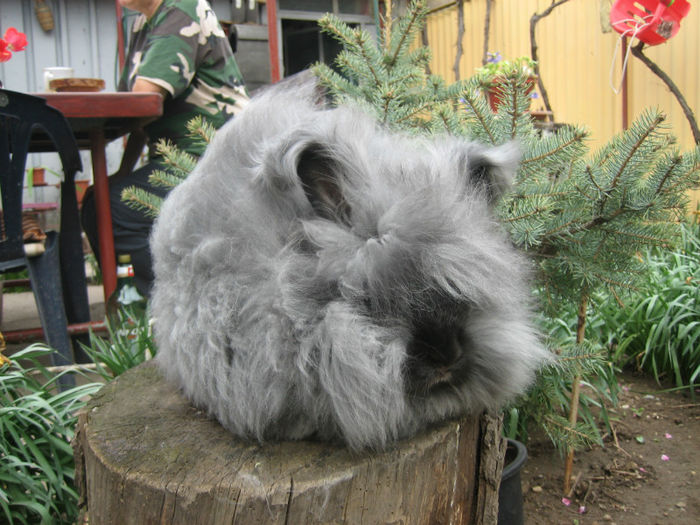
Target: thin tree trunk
x=387, y=26
x=425, y=43
x=638, y=51
x=575, y=390
x=533, y=52
x=487, y=32
x=460, y=36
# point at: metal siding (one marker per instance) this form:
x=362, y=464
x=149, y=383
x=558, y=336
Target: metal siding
x=575, y=61
x=84, y=37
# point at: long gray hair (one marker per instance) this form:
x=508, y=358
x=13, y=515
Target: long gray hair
x=318, y=276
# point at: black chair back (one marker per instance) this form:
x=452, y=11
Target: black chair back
x=57, y=275
x=20, y=116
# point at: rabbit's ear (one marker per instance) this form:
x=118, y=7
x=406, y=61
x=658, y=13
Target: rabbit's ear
x=319, y=176
x=495, y=168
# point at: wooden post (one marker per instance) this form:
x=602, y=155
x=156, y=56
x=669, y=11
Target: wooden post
x=145, y=455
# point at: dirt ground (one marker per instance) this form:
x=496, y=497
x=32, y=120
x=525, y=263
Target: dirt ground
x=647, y=472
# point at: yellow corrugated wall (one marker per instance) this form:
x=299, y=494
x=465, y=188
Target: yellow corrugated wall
x=575, y=60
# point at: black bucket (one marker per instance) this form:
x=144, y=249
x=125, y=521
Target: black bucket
x=510, y=494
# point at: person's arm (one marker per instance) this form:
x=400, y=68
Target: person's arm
x=137, y=138
x=146, y=86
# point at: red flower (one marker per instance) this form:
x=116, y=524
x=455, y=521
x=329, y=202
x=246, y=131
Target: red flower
x=5, y=54
x=16, y=41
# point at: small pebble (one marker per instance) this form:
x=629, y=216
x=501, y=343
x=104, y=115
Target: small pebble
x=537, y=489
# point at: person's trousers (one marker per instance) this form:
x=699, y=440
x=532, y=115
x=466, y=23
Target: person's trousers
x=132, y=228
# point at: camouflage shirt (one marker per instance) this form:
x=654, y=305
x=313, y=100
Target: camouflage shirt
x=183, y=49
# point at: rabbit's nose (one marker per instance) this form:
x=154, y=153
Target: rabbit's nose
x=439, y=346
x=437, y=357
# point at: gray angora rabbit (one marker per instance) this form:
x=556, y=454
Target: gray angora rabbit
x=318, y=276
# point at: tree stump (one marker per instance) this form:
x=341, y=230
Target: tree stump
x=145, y=455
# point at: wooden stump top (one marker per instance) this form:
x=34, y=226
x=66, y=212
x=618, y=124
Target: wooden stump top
x=145, y=455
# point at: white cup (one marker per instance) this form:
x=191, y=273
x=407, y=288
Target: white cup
x=51, y=73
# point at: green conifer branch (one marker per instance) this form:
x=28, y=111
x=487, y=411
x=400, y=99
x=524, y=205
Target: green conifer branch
x=558, y=147
x=480, y=111
x=165, y=179
x=643, y=136
x=417, y=12
x=142, y=200
x=201, y=129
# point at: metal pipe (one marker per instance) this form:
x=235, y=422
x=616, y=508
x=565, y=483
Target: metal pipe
x=120, y=35
x=273, y=41
x=32, y=334
x=624, y=90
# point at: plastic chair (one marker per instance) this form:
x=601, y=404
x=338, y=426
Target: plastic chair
x=57, y=275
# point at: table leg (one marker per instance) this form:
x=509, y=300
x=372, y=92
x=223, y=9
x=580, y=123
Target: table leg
x=105, y=234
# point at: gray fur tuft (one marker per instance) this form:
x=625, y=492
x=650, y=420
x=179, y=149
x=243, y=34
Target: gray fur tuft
x=320, y=277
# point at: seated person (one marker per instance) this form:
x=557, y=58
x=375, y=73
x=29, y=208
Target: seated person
x=177, y=48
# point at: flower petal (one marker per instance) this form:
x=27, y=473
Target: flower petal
x=5, y=53
x=16, y=40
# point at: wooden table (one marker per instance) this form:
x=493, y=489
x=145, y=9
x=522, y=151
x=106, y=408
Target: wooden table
x=97, y=118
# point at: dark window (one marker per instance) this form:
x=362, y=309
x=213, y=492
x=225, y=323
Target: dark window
x=304, y=45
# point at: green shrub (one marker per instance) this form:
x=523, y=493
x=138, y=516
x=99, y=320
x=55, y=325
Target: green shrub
x=547, y=402
x=37, y=424
x=129, y=344
x=659, y=330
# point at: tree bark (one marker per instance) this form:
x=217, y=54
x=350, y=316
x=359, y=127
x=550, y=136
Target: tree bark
x=638, y=51
x=533, y=53
x=487, y=33
x=460, y=37
x=145, y=455
x=425, y=43
x=575, y=391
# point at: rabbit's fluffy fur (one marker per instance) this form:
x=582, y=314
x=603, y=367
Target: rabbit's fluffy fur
x=318, y=276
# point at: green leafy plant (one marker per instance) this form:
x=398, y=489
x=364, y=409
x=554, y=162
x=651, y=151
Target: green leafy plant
x=11, y=276
x=659, y=329
x=37, y=423
x=129, y=344
x=496, y=67
x=549, y=398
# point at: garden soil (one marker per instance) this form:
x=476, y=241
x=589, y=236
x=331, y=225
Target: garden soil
x=647, y=472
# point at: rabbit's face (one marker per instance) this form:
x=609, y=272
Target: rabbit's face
x=415, y=250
